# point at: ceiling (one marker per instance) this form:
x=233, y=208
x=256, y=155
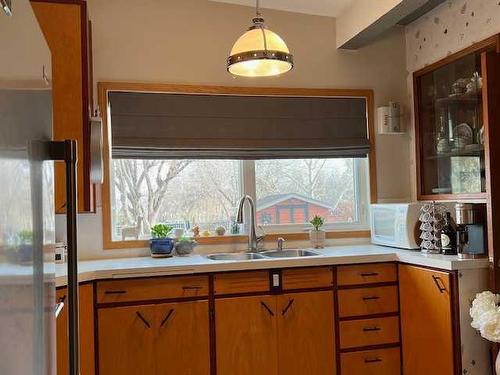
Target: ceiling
x=330, y=8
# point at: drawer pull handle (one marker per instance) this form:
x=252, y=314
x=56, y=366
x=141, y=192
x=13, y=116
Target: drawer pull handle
x=366, y=274
x=368, y=298
x=371, y=329
x=191, y=287
x=165, y=320
x=439, y=282
x=372, y=360
x=287, y=307
x=146, y=323
x=115, y=291
x=267, y=308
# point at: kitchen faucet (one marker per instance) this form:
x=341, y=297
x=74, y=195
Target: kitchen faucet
x=253, y=239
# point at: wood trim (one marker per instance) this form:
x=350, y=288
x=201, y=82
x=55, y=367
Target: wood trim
x=493, y=42
x=235, y=239
x=104, y=87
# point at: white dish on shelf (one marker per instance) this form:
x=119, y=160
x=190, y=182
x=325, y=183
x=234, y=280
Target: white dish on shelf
x=464, y=133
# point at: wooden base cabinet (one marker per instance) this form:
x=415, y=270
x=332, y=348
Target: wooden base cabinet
x=287, y=334
x=87, y=367
x=427, y=331
x=168, y=338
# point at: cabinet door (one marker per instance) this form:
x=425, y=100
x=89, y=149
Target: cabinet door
x=87, y=366
x=64, y=25
x=126, y=338
x=426, y=321
x=182, y=343
x=306, y=333
x=246, y=339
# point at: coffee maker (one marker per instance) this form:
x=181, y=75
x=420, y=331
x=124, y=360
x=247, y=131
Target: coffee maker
x=471, y=230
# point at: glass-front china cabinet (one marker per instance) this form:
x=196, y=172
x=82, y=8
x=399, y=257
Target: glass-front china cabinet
x=450, y=126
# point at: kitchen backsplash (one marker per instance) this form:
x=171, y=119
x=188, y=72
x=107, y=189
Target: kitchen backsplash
x=449, y=28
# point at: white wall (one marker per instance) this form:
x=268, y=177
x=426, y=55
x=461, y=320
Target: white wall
x=449, y=28
x=187, y=41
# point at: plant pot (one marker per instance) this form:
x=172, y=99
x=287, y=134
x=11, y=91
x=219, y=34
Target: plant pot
x=185, y=248
x=161, y=247
x=317, y=238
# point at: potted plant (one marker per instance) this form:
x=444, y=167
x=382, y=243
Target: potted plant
x=161, y=244
x=485, y=314
x=317, y=235
x=185, y=246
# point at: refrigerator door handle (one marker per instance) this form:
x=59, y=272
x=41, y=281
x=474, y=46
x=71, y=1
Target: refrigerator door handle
x=67, y=151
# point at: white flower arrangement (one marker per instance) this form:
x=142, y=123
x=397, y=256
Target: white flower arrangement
x=485, y=314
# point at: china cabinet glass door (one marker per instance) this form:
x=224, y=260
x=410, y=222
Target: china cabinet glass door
x=450, y=128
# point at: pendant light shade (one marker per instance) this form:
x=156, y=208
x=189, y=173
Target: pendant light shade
x=259, y=52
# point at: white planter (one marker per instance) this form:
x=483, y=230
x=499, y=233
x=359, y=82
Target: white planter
x=317, y=238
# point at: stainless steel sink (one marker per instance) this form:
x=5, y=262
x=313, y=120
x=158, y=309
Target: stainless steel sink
x=234, y=256
x=290, y=253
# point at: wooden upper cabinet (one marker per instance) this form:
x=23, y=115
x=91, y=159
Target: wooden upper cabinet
x=451, y=123
x=306, y=337
x=246, y=335
x=426, y=321
x=66, y=29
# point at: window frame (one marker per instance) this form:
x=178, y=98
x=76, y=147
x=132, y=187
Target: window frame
x=365, y=181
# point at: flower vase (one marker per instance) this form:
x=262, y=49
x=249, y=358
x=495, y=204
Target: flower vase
x=317, y=238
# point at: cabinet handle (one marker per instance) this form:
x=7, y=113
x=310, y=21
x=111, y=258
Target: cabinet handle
x=267, y=308
x=371, y=329
x=368, y=298
x=58, y=309
x=439, y=282
x=165, y=320
x=191, y=287
x=372, y=360
x=287, y=307
x=369, y=274
x=143, y=319
x=115, y=291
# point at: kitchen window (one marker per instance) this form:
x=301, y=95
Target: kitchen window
x=205, y=194
x=185, y=159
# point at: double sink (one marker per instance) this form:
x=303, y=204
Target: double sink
x=292, y=253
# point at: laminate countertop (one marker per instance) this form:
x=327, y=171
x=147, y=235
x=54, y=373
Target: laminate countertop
x=197, y=263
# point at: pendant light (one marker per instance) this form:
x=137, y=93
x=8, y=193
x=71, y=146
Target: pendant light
x=259, y=52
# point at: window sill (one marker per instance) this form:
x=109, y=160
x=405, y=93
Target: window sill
x=234, y=239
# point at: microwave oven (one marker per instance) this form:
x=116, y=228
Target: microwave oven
x=395, y=224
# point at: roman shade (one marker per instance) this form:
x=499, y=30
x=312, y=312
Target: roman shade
x=205, y=126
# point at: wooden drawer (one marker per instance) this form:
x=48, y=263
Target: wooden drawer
x=372, y=362
x=300, y=278
x=368, y=301
x=152, y=288
x=241, y=282
x=366, y=332
x=367, y=274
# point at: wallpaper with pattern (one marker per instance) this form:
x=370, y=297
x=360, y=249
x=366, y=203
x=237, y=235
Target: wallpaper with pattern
x=450, y=27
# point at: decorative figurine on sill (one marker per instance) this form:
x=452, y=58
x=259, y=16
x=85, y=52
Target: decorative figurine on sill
x=132, y=232
x=206, y=233
x=196, y=231
x=161, y=245
x=235, y=228
x=317, y=235
x=220, y=230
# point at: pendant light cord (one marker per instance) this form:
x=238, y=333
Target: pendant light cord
x=261, y=24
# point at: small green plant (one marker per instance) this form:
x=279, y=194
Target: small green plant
x=317, y=222
x=185, y=239
x=25, y=237
x=161, y=230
